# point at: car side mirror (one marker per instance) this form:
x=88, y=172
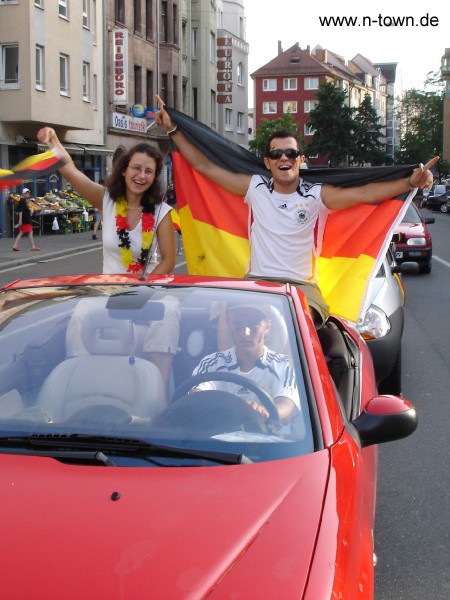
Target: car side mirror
x=429, y=220
x=385, y=419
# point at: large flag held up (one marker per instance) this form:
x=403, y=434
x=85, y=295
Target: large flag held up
x=31, y=167
x=215, y=223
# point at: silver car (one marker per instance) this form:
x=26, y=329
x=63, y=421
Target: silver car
x=382, y=325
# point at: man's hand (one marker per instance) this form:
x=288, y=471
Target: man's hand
x=162, y=116
x=422, y=177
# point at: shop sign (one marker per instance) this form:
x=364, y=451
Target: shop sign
x=128, y=123
x=120, y=66
x=224, y=70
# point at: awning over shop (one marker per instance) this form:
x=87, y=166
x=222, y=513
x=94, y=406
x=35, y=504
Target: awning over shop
x=70, y=149
x=98, y=150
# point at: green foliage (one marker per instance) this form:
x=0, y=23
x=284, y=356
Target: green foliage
x=266, y=128
x=333, y=123
x=367, y=136
x=422, y=114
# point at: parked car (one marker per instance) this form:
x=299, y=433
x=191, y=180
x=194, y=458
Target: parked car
x=413, y=240
x=439, y=199
x=383, y=322
x=107, y=492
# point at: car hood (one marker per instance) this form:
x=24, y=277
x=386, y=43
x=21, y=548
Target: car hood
x=411, y=229
x=247, y=530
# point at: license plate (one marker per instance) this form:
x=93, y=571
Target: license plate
x=399, y=254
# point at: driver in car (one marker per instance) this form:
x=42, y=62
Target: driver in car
x=252, y=359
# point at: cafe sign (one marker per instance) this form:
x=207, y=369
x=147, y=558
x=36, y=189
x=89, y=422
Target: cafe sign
x=128, y=123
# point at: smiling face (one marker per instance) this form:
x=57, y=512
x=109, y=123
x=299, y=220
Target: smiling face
x=285, y=171
x=139, y=174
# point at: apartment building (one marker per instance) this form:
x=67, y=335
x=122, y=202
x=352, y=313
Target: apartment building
x=445, y=71
x=289, y=84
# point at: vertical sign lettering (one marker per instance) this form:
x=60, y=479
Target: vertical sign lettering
x=120, y=66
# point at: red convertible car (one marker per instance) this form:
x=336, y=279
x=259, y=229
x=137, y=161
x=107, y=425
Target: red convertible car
x=185, y=437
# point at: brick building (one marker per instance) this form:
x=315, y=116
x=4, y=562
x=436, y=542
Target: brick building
x=290, y=82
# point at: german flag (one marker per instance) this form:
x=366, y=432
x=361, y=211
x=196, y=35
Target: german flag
x=38, y=165
x=215, y=223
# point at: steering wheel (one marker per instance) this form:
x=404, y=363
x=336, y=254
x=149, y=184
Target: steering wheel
x=264, y=398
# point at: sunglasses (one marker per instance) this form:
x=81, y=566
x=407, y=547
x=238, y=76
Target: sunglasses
x=290, y=153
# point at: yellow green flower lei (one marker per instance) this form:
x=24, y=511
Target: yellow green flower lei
x=123, y=233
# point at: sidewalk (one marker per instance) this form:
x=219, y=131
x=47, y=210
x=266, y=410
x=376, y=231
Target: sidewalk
x=51, y=245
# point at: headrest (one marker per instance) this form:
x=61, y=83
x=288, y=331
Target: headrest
x=103, y=335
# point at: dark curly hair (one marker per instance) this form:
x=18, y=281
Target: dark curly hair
x=116, y=182
x=283, y=134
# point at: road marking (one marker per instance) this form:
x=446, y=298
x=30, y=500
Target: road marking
x=47, y=260
x=441, y=260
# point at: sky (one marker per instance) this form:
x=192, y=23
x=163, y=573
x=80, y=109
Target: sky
x=417, y=46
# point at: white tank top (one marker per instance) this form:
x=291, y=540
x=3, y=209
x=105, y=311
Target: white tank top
x=111, y=252
x=286, y=230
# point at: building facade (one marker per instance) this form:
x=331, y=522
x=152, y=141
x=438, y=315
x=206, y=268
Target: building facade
x=289, y=84
x=445, y=72
x=91, y=69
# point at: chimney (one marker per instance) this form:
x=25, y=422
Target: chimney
x=280, y=48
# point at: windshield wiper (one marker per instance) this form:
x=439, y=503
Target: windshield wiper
x=97, y=444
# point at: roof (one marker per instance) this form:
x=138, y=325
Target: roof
x=292, y=62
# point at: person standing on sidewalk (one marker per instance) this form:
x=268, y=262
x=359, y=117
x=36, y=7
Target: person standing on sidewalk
x=25, y=222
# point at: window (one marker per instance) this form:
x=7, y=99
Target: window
x=95, y=92
x=150, y=95
x=269, y=108
x=175, y=23
x=86, y=81
x=138, y=84
x=64, y=75
x=240, y=74
x=290, y=106
x=86, y=13
x=212, y=47
x=163, y=23
x=63, y=8
x=120, y=11
x=311, y=83
x=269, y=85
x=309, y=105
x=137, y=17
x=240, y=122
x=39, y=3
x=40, y=68
x=194, y=43
x=149, y=19
x=290, y=84
x=228, y=119
x=309, y=130
x=9, y=67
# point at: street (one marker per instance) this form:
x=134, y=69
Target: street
x=411, y=536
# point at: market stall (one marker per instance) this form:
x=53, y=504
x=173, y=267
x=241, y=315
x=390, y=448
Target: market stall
x=62, y=211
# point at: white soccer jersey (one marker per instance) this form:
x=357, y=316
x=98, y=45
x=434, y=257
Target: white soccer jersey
x=272, y=372
x=286, y=230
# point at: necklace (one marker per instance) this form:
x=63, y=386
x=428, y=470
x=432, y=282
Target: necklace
x=123, y=233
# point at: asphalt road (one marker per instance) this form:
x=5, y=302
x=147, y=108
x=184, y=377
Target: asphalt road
x=412, y=528
x=413, y=517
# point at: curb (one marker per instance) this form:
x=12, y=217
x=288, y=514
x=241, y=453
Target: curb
x=6, y=263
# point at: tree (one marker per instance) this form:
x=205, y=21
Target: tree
x=267, y=127
x=367, y=144
x=422, y=114
x=332, y=121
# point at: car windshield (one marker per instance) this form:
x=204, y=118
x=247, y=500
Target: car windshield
x=411, y=215
x=163, y=366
